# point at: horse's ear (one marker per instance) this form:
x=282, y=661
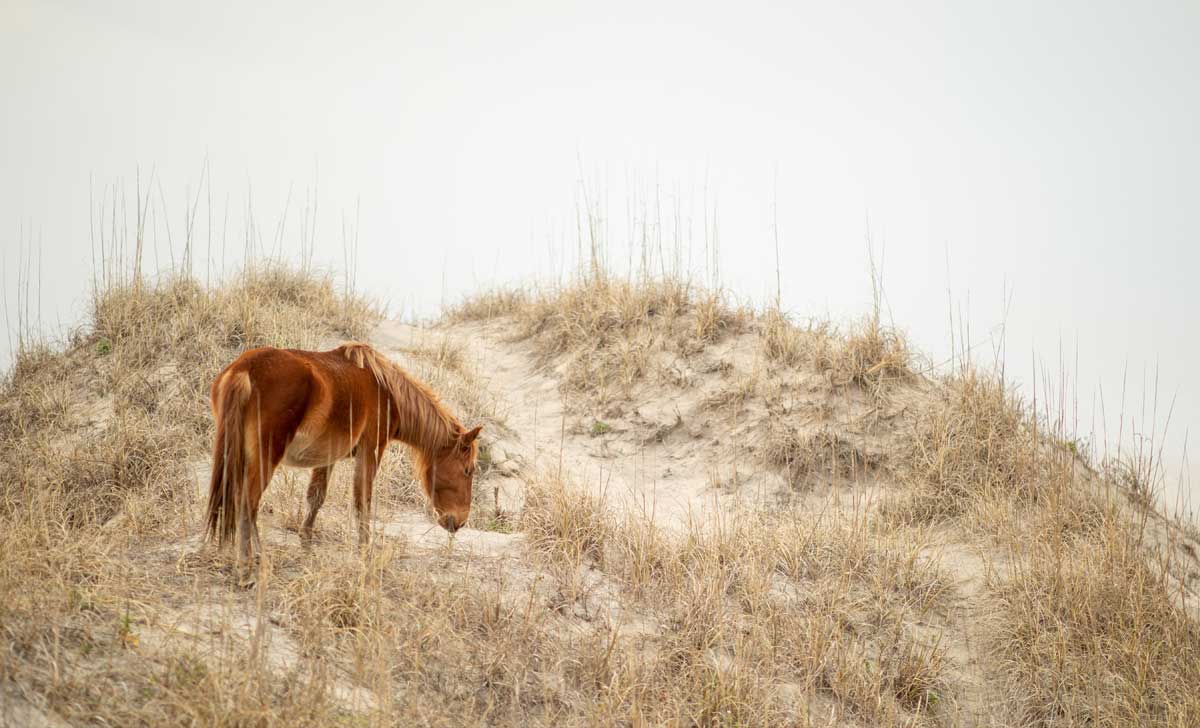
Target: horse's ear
x=469, y=436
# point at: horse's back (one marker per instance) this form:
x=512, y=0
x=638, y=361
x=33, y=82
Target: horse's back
x=313, y=404
x=280, y=388
x=267, y=368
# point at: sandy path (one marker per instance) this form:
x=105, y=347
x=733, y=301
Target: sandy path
x=669, y=480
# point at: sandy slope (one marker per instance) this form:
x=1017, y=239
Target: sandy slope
x=683, y=449
x=647, y=458
x=687, y=445
x=673, y=454
x=673, y=451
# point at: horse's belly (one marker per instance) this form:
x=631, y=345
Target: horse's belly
x=305, y=452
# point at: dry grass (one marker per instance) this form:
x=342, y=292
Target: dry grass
x=759, y=616
x=607, y=334
x=782, y=341
x=976, y=445
x=806, y=455
x=775, y=614
x=870, y=355
x=1089, y=623
x=606, y=331
x=1096, y=634
x=735, y=395
x=563, y=520
x=1085, y=626
x=101, y=438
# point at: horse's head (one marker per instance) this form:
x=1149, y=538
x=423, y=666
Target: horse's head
x=450, y=478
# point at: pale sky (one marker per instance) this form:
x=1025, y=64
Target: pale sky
x=1049, y=150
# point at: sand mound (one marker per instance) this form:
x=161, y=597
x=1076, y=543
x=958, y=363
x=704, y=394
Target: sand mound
x=686, y=513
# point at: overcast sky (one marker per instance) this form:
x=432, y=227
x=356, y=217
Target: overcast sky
x=1044, y=150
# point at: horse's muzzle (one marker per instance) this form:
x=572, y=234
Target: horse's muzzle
x=450, y=523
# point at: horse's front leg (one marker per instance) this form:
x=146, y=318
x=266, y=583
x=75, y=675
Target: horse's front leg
x=366, y=464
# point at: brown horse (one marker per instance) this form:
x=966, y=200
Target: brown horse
x=309, y=409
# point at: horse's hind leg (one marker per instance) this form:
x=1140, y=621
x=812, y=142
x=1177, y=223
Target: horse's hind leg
x=246, y=534
x=316, y=498
x=258, y=476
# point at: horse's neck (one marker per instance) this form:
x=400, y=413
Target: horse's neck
x=423, y=424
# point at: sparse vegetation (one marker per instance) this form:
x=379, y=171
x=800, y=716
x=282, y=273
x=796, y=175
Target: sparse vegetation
x=870, y=356
x=959, y=569
x=821, y=454
x=100, y=438
x=826, y=608
x=606, y=331
x=600, y=427
x=1096, y=634
x=975, y=444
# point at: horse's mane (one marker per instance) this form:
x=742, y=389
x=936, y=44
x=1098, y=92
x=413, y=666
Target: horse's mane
x=425, y=423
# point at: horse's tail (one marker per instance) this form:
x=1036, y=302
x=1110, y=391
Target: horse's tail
x=229, y=458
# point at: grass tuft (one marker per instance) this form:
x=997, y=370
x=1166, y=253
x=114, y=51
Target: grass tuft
x=1096, y=635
